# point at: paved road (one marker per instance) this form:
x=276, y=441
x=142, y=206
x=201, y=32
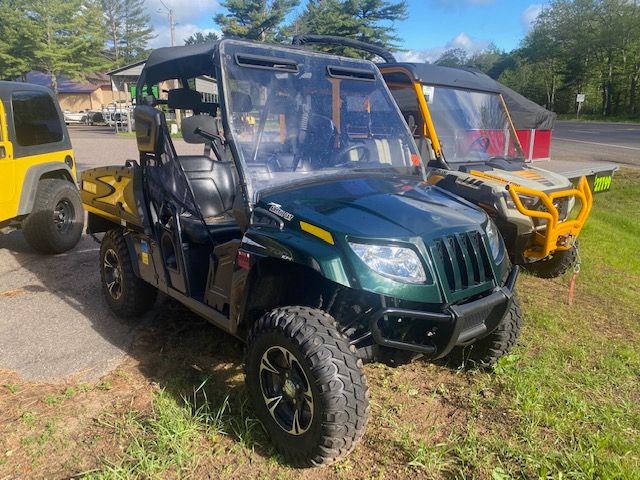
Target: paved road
x=596, y=141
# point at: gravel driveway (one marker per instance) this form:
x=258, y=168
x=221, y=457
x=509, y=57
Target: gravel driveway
x=54, y=322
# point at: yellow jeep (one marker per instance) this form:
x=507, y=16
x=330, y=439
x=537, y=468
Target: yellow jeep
x=38, y=190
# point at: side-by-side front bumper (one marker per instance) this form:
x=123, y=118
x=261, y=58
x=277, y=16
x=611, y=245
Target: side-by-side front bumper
x=458, y=324
x=558, y=235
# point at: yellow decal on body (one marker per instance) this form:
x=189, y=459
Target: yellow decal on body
x=117, y=196
x=145, y=258
x=321, y=233
x=488, y=176
x=601, y=184
x=89, y=187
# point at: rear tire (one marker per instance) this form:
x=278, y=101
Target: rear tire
x=556, y=264
x=298, y=366
x=127, y=294
x=56, y=222
x=485, y=352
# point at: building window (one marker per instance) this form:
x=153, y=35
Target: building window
x=36, y=119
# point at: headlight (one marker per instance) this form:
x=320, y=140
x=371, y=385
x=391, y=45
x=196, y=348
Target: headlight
x=398, y=263
x=527, y=201
x=494, y=238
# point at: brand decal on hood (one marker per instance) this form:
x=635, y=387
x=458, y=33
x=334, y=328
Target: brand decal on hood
x=276, y=209
x=533, y=175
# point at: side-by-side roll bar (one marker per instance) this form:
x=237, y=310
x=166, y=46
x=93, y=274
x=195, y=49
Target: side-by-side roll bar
x=382, y=52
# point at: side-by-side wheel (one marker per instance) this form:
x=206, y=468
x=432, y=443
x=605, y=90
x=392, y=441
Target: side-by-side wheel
x=556, y=264
x=307, y=385
x=488, y=350
x=126, y=294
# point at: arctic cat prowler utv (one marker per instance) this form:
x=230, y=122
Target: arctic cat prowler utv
x=465, y=136
x=310, y=233
x=38, y=191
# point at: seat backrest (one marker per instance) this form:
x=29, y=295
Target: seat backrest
x=213, y=183
x=149, y=133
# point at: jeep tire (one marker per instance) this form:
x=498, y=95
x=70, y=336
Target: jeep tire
x=306, y=384
x=126, y=293
x=555, y=264
x=484, y=353
x=56, y=221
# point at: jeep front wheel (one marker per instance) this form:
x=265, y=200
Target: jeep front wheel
x=56, y=222
x=306, y=385
x=126, y=293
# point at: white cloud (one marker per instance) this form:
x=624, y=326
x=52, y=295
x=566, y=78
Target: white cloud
x=185, y=15
x=187, y=11
x=183, y=31
x=529, y=16
x=462, y=41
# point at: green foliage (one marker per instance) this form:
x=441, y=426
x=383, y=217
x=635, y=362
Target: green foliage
x=582, y=46
x=68, y=37
x=454, y=57
x=371, y=21
x=17, y=46
x=254, y=19
x=199, y=38
x=128, y=29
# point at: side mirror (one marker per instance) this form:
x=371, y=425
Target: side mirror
x=195, y=125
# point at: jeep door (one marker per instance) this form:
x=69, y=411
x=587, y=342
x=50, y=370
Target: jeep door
x=7, y=169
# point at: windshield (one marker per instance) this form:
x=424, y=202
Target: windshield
x=472, y=126
x=296, y=116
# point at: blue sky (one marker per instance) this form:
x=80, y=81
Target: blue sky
x=433, y=26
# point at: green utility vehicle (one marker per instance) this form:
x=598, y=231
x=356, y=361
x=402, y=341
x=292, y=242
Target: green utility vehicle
x=38, y=191
x=309, y=232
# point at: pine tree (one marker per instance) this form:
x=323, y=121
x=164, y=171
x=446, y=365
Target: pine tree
x=68, y=37
x=199, y=38
x=113, y=18
x=254, y=19
x=129, y=30
x=370, y=21
x=136, y=31
x=17, y=44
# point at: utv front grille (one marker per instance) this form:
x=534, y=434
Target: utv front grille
x=462, y=259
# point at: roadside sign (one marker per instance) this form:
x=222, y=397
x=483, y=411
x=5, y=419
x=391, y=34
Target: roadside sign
x=428, y=91
x=580, y=97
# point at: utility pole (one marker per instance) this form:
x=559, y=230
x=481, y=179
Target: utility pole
x=172, y=29
x=172, y=23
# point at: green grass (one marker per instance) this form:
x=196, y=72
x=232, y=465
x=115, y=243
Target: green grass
x=563, y=405
x=178, y=435
x=571, y=390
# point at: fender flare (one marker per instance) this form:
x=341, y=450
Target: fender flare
x=33, y=176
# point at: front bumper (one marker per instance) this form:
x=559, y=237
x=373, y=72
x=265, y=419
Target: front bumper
x=460, y=324
x=557, y=234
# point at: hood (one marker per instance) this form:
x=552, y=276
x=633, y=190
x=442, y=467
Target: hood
x=375, y=207
x=520, y=174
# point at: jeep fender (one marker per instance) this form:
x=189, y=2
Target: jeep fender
x=32, y=177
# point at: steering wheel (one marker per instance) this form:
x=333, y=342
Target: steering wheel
x=350, y=148
x=482, y=142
